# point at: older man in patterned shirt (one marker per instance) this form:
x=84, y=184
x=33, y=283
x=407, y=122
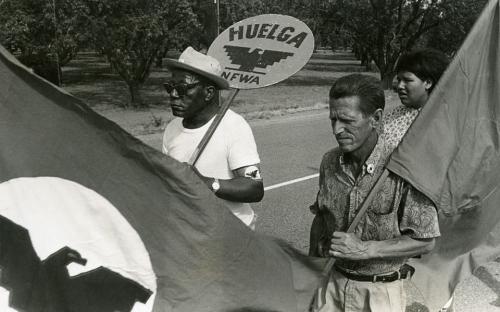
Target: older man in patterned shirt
x=400, y=222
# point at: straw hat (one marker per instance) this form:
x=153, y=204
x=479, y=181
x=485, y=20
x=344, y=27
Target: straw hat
x=201, y=64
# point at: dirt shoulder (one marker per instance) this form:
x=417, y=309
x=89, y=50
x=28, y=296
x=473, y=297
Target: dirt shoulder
x=153, y=120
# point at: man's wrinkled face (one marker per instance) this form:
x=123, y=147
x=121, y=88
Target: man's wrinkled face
x=413, y=92
x=350, y=127
x=186, y=94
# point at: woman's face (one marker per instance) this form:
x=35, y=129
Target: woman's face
x=412, y=91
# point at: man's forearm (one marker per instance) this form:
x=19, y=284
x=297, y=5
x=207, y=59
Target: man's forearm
x=403, y=246
x=238, y=189
x=241, y=189
x=349, y=246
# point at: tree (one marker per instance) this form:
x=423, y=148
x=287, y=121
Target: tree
x=44, y=35
x=206, y=14
x=70, y=33
x=449, y=36
x=310, y=12
x=131, y=33
x=383, y=29
x=234, y=11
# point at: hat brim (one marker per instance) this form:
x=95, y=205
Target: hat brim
x=220, y=82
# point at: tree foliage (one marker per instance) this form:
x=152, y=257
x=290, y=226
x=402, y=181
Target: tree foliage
x=237, y=10
x=311, y=12
x=380, y=30
x=131, y=33
x=449, y=36
x=44, y=35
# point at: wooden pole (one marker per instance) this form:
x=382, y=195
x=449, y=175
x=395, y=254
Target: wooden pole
x=352, y=227
x=214, y=27
x=217, y=16
x=366, y=203
x=59, y=82
x=208, y=135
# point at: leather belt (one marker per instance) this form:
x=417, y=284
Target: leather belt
x=404, y=272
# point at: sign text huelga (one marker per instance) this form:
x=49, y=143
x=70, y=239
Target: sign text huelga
x=262, y=50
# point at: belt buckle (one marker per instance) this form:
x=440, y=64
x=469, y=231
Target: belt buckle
x=374, y=279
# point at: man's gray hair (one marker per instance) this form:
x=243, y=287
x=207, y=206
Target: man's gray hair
x=367, y=88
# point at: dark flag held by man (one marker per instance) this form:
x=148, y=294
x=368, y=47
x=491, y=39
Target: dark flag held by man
x=451, y=153
x=91, y=219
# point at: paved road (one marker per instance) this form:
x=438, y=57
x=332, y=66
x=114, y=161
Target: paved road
x=291, y=148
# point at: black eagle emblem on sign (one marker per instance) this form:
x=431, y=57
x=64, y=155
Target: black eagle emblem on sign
x=257, y=58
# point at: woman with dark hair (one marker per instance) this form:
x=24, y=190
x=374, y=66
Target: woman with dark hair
x=418, y=72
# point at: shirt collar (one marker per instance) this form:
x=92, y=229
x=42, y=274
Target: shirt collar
x=372, y=161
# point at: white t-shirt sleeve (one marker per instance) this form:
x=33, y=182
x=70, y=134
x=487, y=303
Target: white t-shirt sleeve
x=242, y=150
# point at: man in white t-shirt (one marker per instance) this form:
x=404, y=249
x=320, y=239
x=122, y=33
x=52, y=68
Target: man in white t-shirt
x=229, y=165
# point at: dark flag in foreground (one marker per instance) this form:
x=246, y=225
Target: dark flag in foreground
x=452, y=154
x=91, y=219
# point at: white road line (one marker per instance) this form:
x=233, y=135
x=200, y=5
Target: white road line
x=312, y=176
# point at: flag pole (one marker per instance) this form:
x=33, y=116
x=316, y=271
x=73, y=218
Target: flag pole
x=360, y=214
x=321, y=299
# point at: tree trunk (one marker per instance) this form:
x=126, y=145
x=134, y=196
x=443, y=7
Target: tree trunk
x=365, y=59
x=387, y=79
x=49, y=71
x=159, y=61
x=162, y=53
x=135, y=95
x=355, y=51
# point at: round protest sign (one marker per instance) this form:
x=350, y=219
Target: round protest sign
x=262, y=50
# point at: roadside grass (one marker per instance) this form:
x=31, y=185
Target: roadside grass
x=90, y=78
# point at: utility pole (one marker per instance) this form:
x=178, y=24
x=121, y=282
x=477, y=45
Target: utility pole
x=212, y=25
x=217, y=14
x=211, y=19
x=58, y=65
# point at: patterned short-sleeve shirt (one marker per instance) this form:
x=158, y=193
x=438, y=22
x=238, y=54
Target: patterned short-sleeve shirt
x=396, y=123
x=397, y=209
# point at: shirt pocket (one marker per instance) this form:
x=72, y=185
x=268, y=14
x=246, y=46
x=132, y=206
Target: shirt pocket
x=381, y=204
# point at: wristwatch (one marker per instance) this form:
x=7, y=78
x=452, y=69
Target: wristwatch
x=215, y=185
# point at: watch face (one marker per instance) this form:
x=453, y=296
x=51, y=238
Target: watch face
x=215, y=186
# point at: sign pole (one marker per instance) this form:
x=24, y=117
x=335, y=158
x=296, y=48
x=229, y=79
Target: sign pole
x=208, y=135
x=276, y=54
x=213, y=26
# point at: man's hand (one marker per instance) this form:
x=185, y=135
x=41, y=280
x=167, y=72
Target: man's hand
x=349, y=246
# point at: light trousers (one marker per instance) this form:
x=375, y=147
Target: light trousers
x=344, y=295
